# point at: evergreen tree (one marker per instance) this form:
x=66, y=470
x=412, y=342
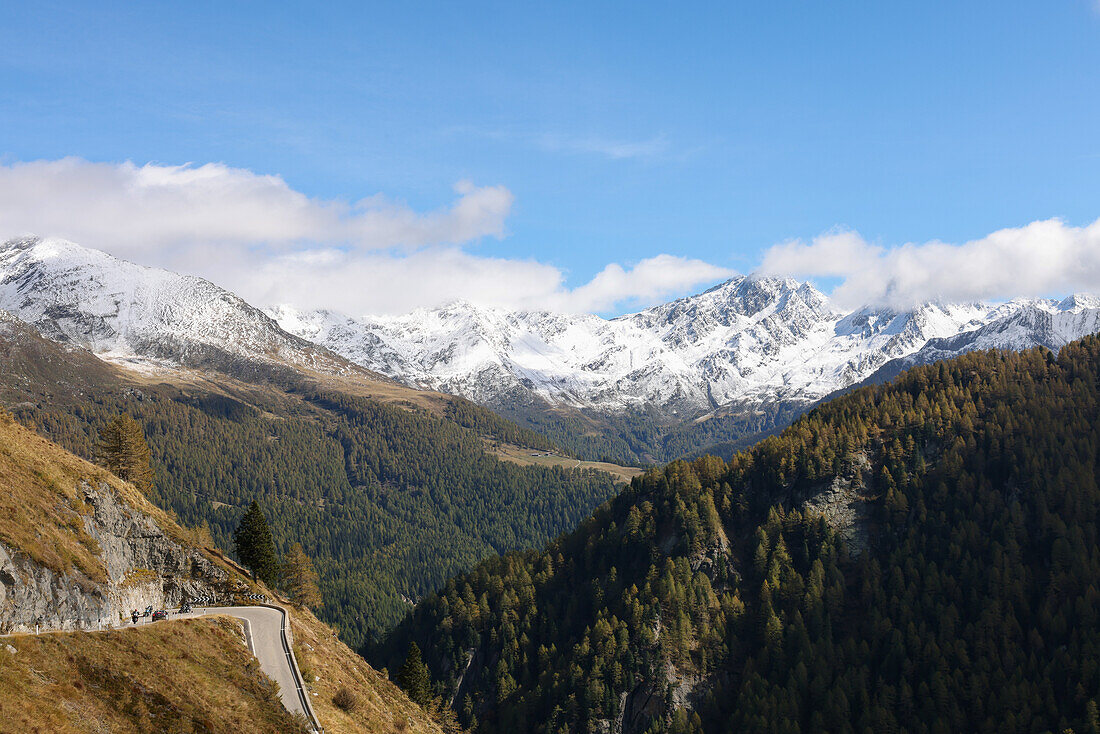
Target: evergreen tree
x=255, y=547
x=299, y=578
x=413, y=677
x=124, y=452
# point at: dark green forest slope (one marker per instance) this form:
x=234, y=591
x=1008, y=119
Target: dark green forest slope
x=389, y=501
x=646, y=438
x=954, y=586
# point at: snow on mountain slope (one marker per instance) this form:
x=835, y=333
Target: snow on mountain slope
x=749, y=340
x=1019, y=324
x=137, y=315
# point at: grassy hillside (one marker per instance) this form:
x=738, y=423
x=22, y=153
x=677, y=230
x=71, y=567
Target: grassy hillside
x=329, y=666
x=190, y=676
x=42, y=508
x=184, y=676
x=917, y=557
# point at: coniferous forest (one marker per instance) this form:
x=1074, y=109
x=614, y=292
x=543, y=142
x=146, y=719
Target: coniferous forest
x=387, y=501
x=916, y=557
x=550, y=368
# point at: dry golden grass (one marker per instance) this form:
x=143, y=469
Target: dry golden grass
x=387, y=391
x=526, y=457
x=191, y=675
x=381, y=706
x=357, y=382
x=42, y=507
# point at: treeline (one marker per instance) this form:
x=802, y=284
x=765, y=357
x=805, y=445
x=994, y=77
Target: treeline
x=388, y=502
x=706, y=598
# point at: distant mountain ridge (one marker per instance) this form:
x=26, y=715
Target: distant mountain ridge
x=139, y=316
x=750, y=340
x=737, y=361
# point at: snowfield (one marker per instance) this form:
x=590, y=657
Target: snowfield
x=750, y=340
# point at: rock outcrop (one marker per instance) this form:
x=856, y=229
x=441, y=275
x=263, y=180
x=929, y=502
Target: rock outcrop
x=144, y=566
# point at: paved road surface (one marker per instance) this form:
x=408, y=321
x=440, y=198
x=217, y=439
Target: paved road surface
x=264, y=627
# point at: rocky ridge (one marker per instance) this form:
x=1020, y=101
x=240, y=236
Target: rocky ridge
x=751, y=341
x=143, y=317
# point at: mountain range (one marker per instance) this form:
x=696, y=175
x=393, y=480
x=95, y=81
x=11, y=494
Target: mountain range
x=741, y=358
x=390, y=490
x=749, y=339
x=913, y=556
x=143, y=317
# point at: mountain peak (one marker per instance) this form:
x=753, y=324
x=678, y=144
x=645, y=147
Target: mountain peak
x=124, y=311
x=1079, y=302
x=751, y=338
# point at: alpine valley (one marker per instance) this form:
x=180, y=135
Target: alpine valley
x=918, y=555
x=390, y=490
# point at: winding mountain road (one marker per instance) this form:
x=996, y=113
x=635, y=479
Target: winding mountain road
x=269, y=641
x=268, y=636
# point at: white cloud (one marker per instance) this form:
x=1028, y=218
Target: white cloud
x=260, y=238
x=397, y=283
x=1042, y=258
x=650, y=280
x=135, y=209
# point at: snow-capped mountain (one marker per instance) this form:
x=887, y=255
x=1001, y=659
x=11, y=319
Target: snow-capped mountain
x=141, y=316
x=1019, y=324
x=749, y=340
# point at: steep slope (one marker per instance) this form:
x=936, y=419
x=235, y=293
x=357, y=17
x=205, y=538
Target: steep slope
x=389, y=500
x=187, y=676
x=329, y=666
x=30, y=363
x=750, y=346
x=79, y=549
x=920, y=556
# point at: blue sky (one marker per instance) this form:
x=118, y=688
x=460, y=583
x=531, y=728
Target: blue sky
x=702, y=131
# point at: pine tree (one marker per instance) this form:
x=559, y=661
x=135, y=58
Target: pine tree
x=299, y=578
x=124, y=452
x=413, y=677
x=255, y=547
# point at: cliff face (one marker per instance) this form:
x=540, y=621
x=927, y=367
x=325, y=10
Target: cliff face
x=144, y=566
x=79, y=547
